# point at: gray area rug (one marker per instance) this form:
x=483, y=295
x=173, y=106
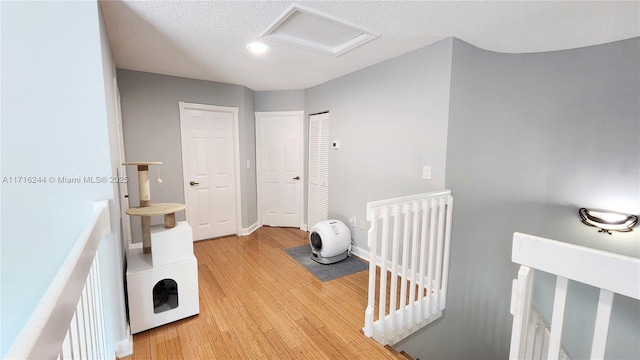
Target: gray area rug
x=348, y=266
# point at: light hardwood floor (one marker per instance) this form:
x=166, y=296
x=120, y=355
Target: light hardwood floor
x=256, y=302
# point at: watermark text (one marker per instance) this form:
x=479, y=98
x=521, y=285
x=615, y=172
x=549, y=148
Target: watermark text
x=64, y=179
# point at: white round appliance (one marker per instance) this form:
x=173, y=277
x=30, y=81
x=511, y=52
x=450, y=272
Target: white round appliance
x=330, y=241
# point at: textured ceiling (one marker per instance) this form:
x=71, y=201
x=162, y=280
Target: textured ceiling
x=206, y=39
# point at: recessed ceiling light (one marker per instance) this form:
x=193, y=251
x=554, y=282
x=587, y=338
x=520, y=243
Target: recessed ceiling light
x=257, y=48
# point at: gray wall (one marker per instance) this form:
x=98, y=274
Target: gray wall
x=533, y=137
x=54, y=124
x=151, y=121
x=248, y=152
x=390, y=119
x=285, y=100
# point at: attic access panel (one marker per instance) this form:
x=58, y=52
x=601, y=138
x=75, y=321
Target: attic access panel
x=312, y=30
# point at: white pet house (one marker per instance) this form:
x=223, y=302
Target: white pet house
x=162, y=276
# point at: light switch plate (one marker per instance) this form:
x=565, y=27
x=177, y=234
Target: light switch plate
x=426, y=172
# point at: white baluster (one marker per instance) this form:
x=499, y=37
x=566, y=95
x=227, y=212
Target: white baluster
x=372, y=244
x=521, y=294
x=384, y=246
x=557, y=318
x=447, y=246
x=395, y=242
x=439, y=253
x=431, y=263
x=603, y=315
x=405, y=258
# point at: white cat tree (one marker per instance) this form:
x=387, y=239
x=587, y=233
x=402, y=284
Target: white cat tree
x=162, y=277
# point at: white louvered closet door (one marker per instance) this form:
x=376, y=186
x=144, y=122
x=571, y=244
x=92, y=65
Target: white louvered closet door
x=318, y=205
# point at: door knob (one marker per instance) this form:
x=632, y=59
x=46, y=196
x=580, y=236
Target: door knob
x=296, y=178
x=192, y=183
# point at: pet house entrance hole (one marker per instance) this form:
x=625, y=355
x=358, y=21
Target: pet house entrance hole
x=165, y=295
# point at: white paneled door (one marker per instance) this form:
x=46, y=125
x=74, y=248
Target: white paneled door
x=280, y=167
x=209, y=160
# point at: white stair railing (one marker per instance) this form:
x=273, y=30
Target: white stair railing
x=409, y=241
x=69, y=323
x=611, y=273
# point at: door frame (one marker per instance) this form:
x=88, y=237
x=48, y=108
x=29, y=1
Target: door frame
x=260, y=115
x=184, y=106
x=123, y=190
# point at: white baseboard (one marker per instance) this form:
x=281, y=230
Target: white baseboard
x=366, y=256
x=137, y=245
x=361, y=253
x=124, y=347
x=257, y=225
x=249, y=230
